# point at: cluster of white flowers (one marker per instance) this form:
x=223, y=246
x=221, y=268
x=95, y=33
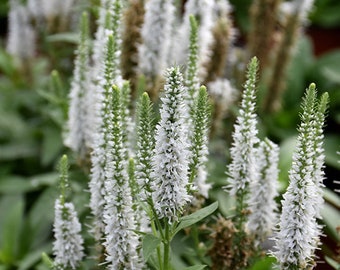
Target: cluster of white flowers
x=99, y=43
x=145, y=147
x=199, y=144
x=170, y=160
x=25, y=19
x=203, y=10
x=243, y=168
x=223, y=92
x=111, y=199
x=319, y=156
x=77, y=129
x=49, y=9
x=262, y=205
x=191, y=75
x=104, y=74
x=120, y=239
x=166, y=156
x=156, y=30
x=299, y=232
x=101, y=144
x=22, y=38
x=68, y=244
x=107, y=37
x=300, y=8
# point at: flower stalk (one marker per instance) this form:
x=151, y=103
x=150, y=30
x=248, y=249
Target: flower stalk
x=68, y=245
x=299, y=232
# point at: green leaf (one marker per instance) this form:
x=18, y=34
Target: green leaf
x=325, y=68
x=187, y=221
x=46, y=179
x=226, y=202
x=266, y=263
x=47, y=260
x=332, y=262
x=332, y=74
x=33, y=257
x=51, y=146
x=296, y=74
x=12, y=209
x=331, y=218
x=195, y=267
x=287, y=148
x=39, y=220
x=331, y=147
x=150, y=243
x=15, y=184
x=6, y=63
x=331, y=197
x=16, y=150
x=72, y=38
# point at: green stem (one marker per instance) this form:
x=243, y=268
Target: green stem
x=240, y=217
x=195, y=236
x=159, y=256
x=166, y=246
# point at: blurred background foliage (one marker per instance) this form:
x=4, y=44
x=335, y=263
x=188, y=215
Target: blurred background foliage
x=33, y=109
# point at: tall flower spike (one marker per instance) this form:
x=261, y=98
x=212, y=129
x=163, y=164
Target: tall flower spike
x=298, y=234
x=142, y=220
x=156, y=32
x=127, y=121
x=203, y=11
x=191, y=74
x=242, y=169
x=76, y=126
x=106, y=62
x=170, y=161
x=117, y=40
x=199, y=144
x=121, y=241
x=21, y=38
x=319, y=157
x=68, y=244
x=262, y=205
x=145, y=147
x=103, y=24
x=101, y=143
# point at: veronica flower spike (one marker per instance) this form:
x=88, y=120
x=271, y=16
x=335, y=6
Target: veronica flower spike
x=68, y=244
x=121, y=241
x=319, y=157
x=101, y=142
x=199, y=144
x=262, y=205
x=242, y=169
x=156, y=32
x=76, y=137
x=202, y=9
x=145, y=147
x=170, y=160
x=298, y=234
x=191, y=75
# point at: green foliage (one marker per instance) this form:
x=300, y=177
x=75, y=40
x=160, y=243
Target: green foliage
x=192, y=219
x=325, y=14
x=150, y=243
